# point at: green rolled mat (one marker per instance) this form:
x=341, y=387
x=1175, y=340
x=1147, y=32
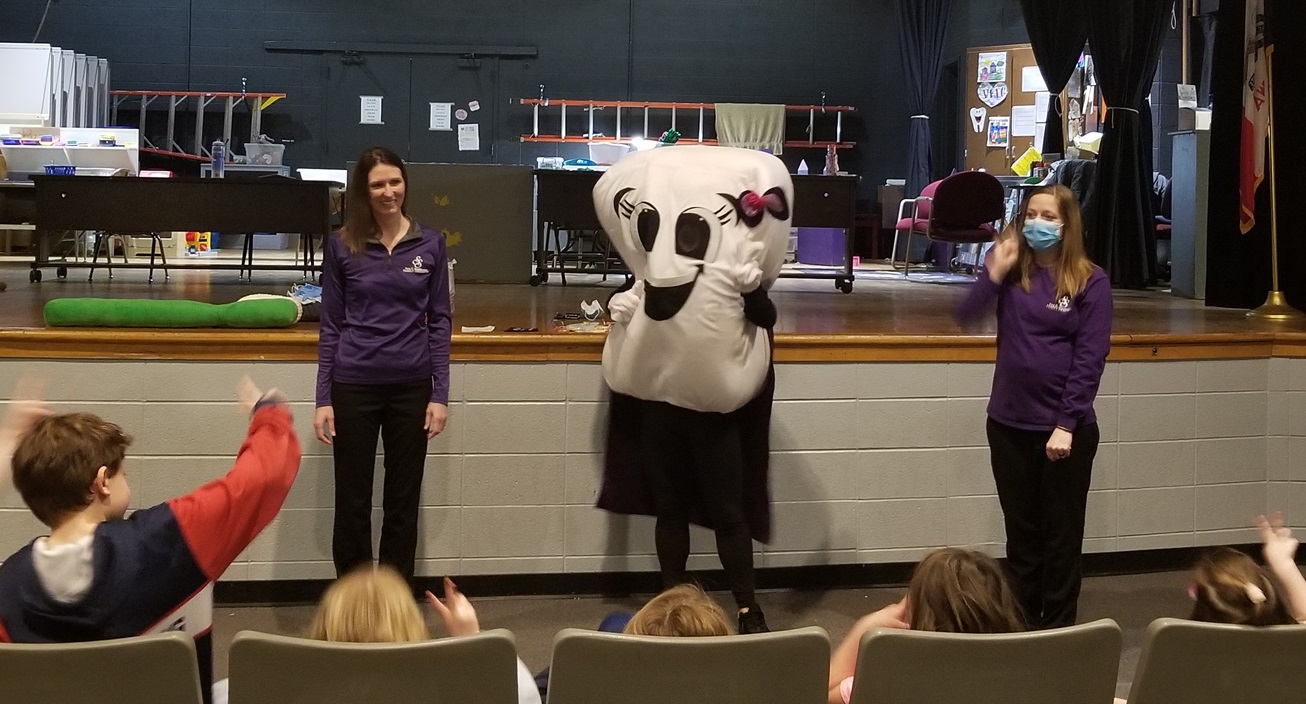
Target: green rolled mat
x=271, y=312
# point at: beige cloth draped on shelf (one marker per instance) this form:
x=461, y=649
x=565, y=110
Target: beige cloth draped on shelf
x=751, y=126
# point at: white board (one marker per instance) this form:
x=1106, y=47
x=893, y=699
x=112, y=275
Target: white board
x=25, y=81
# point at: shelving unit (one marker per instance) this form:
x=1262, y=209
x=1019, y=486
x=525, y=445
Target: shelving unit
x=674, y=110
x=182, y=101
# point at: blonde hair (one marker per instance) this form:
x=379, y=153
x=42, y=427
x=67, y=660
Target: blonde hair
x=962, y=591
x=1074, y=268
x=369, y=605
x=1231, y=588
x=683, y=610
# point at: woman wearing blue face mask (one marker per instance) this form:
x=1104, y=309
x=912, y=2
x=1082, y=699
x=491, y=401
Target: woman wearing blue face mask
x=1054, y=333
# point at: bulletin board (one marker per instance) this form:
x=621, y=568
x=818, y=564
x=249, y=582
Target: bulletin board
x=1001, y=87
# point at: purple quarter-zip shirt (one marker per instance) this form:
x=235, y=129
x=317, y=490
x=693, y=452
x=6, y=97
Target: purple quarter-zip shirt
x=385, y=315
x=1051, y=351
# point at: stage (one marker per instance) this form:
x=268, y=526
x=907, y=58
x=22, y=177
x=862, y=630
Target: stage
x=885, y=318
x=877, y=434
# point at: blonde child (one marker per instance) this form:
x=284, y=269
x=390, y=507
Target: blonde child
x=375, y=605
x=951, y=591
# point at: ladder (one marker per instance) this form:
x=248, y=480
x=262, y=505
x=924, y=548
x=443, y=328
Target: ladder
x=199, y=102
x=698, y=110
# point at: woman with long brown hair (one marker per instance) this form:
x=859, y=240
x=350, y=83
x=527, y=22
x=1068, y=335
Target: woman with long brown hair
x=383, y=360
x=1054, y=333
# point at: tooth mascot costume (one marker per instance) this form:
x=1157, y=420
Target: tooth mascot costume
x=688, y=359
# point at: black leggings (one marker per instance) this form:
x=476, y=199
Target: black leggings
x=1043, y=507
x=693, y=457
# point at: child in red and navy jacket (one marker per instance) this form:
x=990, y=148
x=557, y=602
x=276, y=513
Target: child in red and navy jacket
x=97, y=577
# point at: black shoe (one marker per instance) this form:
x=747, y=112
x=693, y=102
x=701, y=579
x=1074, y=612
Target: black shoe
x=752, y=620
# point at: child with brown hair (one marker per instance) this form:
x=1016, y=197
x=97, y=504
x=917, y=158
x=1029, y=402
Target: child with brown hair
x=1229, y=587
x=374, y=604
x=951, y=591
x=98, y=575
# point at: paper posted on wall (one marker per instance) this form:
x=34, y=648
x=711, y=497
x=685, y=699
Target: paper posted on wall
x=469, y=137
x=369, y=107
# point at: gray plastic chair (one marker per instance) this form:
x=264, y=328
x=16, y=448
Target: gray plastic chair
x=156, y=669
x=271, y=669
x=1074, y=665
x=789, y=667
x=1203, y=663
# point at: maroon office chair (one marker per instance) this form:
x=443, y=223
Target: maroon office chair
x=959, y=209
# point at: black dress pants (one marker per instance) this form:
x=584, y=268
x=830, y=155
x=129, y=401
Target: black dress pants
x=397, y=413
x=1043, y=507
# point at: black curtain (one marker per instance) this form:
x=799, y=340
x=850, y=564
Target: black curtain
x=1201, y=55
x=922, y=26
x=1125, y=38
x=1057, y=32
x=1238, y=265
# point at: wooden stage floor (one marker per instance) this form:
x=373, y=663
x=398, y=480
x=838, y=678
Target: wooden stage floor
x=884, y=318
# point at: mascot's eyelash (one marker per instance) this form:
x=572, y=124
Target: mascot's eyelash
x=724, y=214
x=624, y=207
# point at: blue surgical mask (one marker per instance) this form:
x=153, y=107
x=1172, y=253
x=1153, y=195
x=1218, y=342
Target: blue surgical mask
x=1042, y=235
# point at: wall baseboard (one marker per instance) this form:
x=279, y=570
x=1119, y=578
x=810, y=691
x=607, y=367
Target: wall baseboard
x=814, y=577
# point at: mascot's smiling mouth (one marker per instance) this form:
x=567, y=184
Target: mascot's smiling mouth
x=663, y=302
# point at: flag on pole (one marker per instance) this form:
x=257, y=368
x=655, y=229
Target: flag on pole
x=1256, y=117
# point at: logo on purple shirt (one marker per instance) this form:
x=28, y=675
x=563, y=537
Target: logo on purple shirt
x=418, y=267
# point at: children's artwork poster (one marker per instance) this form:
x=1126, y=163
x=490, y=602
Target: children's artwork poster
x=999, y=131
x=991, y=94
x=977, y=119
x=992, y=67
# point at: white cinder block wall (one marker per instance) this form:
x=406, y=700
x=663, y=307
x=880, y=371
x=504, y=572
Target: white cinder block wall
x=872, y=462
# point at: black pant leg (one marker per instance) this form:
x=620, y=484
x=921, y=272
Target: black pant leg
x=665, y=471
x=404, y=441
x=718, y=465
x=1017, y=457
x=358, y=411
x=1064, y=500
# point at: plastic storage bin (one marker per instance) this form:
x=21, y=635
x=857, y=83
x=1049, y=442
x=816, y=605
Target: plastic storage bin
x=264, y=154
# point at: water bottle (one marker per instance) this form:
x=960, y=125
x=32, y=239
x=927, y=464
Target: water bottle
x=219, y=153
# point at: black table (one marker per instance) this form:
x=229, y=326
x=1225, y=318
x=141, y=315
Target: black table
x=564, y=202
x=129, y=205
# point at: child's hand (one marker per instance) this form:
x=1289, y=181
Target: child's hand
x=1279, y=545
x=248, y=394
x=456, y=611
x=25, y=408
x=891, y=616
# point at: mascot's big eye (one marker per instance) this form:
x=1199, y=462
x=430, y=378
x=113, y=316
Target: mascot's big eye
x=693, y=235
x=646, y=225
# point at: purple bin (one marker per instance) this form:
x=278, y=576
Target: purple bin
x=821, y=246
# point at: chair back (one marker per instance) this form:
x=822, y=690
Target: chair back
x=1074, y=665
x=155, y=668
x=600, y=668
x=272, y=669
x=966, y=200
x=1206, y=663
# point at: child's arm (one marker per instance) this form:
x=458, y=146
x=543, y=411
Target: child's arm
x=221, y=518
x=844, y=660
x=1280, y=549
